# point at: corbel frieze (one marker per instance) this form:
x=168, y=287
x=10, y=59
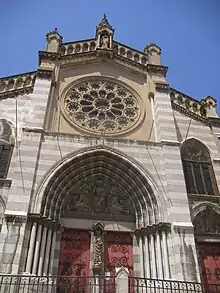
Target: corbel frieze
x=152, y=68
x=16, y=93
x=189, y=113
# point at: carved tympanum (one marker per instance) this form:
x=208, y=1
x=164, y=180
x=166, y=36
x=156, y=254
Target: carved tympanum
x=98, y=198
x=207, y=222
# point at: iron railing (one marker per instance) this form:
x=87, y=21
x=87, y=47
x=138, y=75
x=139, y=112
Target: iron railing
x=56, y=284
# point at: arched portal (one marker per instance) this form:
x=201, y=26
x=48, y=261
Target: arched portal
x=206, y=220
x=98, y=185
x=104, y=169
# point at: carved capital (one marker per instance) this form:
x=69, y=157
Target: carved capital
x=153, y=229
x=14, y=221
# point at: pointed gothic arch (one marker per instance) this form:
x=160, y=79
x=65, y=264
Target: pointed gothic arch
x=206, y=219
x=110, y=165
x=198, y=169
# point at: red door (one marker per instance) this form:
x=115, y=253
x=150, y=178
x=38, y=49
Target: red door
x=74, y=260
x=210, y=265
x=118, y=253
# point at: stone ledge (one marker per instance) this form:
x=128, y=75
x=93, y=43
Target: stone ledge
x=170, y=142
x=5, y=182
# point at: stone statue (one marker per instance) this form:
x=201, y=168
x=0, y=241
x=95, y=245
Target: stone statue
x=98, y=251
x=105, y=42
x=98, y=246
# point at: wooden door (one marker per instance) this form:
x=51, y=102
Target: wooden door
x=210, y=265
x=74, y=261
x=118, y=253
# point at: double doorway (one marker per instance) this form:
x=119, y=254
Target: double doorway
x=77, y=252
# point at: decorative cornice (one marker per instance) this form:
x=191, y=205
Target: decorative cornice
x=20, y=84
x=162, y=87
x=16, y=93
x=191, y=108
x=43, y=55
x=157, y=69
x=44, y=74
x=189, y=113
x=100, y=54
x=214, y=121
x=130, y=63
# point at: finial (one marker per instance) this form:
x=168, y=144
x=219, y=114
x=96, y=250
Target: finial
x=104, y=21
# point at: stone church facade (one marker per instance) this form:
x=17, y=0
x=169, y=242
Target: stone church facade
x=105, y=169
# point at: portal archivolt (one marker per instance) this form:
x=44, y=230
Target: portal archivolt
x=99, y=183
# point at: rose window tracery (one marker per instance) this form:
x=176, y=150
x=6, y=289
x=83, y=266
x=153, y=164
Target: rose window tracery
x=100, y=105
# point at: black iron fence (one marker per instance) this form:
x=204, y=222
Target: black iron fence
x=56, y=284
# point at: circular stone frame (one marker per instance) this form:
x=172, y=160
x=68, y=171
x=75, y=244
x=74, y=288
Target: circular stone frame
x=101, y=105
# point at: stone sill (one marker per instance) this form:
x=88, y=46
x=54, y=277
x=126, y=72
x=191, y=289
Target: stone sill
x=4, y=182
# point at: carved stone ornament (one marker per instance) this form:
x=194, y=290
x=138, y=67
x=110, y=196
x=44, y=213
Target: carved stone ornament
x=207, y=222
x=98, y=198
x=105, y=41
x=98, y=245
x=102, y=105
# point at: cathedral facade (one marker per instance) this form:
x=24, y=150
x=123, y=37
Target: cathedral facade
x=105, y=170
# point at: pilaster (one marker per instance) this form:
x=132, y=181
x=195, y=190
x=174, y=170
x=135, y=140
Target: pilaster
x=186, y=260
x=164, y=118
x=13, y=230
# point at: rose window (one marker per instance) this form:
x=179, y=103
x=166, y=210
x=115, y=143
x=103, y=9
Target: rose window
x=101, y=106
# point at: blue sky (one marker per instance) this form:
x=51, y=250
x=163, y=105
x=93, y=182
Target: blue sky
x=188, y=31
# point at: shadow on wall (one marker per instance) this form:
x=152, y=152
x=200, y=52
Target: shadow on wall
x=188, y=261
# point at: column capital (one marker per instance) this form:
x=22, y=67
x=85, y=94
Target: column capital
x=47, y=222
x=153, y=229
x=14, y=219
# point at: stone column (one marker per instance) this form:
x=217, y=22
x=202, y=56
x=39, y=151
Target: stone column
x=53, y=247
x=47, y=252
x=159, y=255
x=42, y=250
x=30, y=252
x=146, y=257
x=140, y=240
x=37, y=248
x=153, y=266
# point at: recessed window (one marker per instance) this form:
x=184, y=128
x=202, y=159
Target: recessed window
x=5, y=157
x=198, y=169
